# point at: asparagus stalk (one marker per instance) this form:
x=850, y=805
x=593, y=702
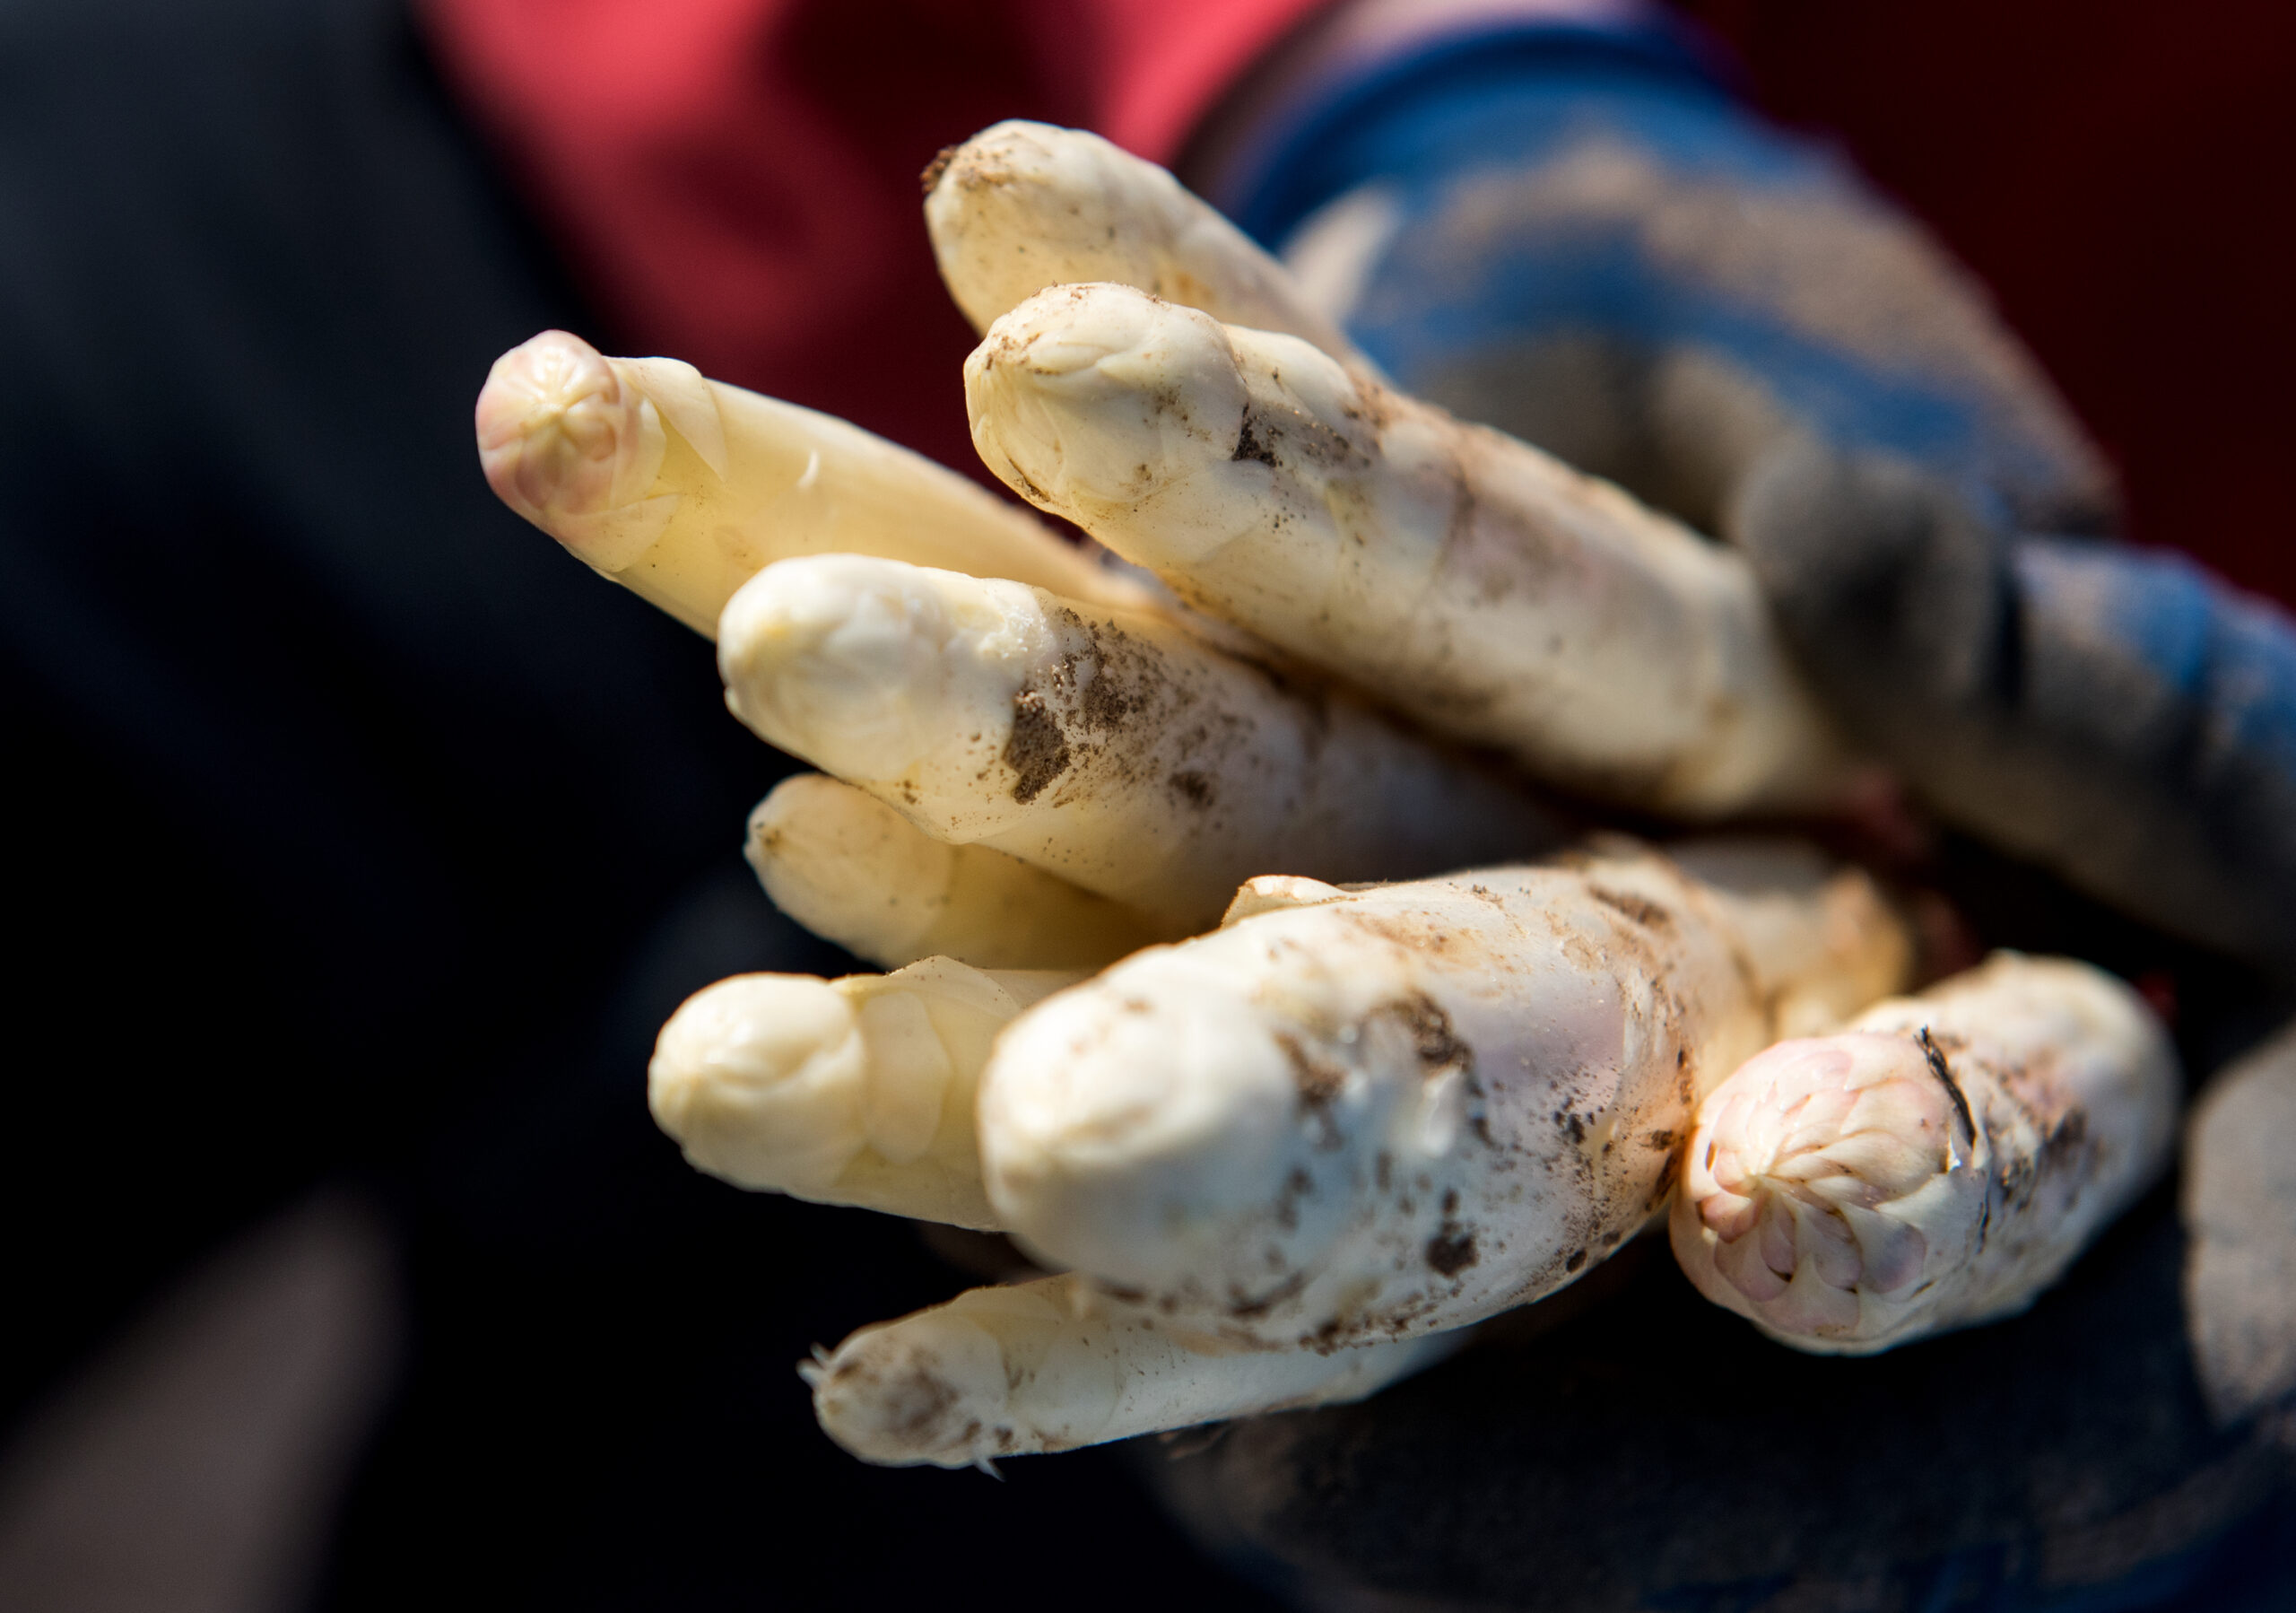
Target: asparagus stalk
x=1111, y=748
x=1356, y=1115
x=850, y=868
x=1021, y=206
x=1482, y=587
x=1936, y=1165
x=1040, y=1367
x=857, y=1091
x=682, y=488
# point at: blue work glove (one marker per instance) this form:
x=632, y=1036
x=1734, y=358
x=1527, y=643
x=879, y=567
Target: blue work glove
x=1575, y=234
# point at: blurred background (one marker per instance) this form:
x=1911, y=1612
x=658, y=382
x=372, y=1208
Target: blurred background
x=361, y=839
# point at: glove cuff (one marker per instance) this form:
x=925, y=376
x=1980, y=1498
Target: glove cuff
x=1272, y=152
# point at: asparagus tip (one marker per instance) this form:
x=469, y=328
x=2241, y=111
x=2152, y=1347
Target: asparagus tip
x=1129, y=1126
x=561, y=436
x=1794, y=1170
x=759, y=1077
x=1103, y=393
x=931, y=1388
x=853, y=662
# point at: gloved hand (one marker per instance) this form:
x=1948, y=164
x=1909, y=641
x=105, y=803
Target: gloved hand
x=1566, y=229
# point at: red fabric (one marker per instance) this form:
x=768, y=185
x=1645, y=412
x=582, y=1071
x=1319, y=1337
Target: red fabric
x=2117, y=171
x=733, y=182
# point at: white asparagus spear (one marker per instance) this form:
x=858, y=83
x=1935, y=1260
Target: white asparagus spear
x=1481, y=586
x=1353, y=1116
x=849, y=867
x=1021, y=206
x=682, y=488
x=1936, y=1165
x=1041, y=1366
x=1112, y=748
x=857, y=1091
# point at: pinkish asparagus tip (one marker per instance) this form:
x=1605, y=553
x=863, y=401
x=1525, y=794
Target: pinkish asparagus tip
x=558, y=430
x=1796, y=1166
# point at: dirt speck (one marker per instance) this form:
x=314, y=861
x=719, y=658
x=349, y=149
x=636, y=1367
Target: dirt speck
x=1193, y=787
x=1667, y=1174
x=917, y=1401
x=933, y=170
x=1639, y=909
x=2064, y=1144
x=1297, y=1186
x=1037, y=751
x=1244, y=1306
x=1250, y=445
x=1452, y=1249
x=1320, y=1082
x=1114, y=690
x=1432, y=1040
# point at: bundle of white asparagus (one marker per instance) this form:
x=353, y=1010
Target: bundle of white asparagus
x=1296, y=1153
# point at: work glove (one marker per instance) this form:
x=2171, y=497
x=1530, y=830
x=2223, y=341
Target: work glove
x=1570, y=230
x=1574, y=232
